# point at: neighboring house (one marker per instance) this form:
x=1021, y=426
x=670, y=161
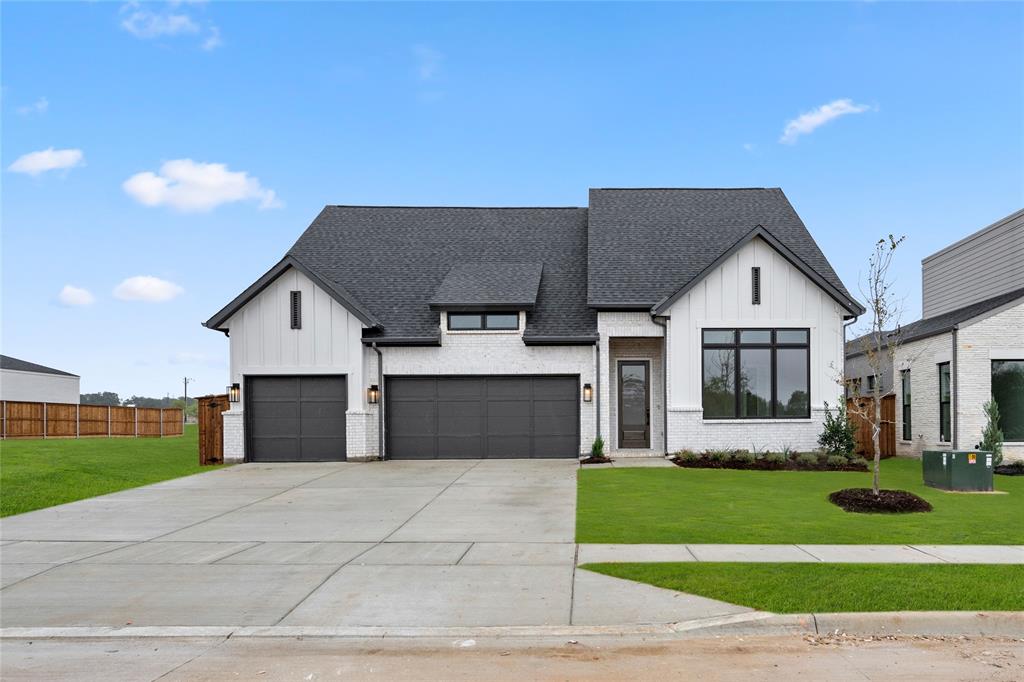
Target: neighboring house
x=25, y=381
x=968, y=349
x=859, y=376
x=660, y=319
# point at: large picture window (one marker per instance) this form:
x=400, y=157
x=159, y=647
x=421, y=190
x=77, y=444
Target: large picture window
x=756, y=373
x=945, y=429
x=905, y=383
x=1008, y=392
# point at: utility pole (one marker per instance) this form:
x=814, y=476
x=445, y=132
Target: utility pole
x=184, y=406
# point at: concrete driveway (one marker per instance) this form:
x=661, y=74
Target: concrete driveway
x=392, y=544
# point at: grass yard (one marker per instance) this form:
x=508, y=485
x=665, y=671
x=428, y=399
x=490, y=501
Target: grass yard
x=41, y=473
x=831, y=588
x=724, y=506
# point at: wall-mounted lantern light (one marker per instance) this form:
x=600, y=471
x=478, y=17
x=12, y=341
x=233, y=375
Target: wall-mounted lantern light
x=588, y=393
x=373, y=394
x=234, y=393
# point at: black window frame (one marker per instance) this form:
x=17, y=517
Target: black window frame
x=484, y=321
x=1002, y=414
x=906, y=398
x=945, y=424
x=773, y=345
x=295, y=309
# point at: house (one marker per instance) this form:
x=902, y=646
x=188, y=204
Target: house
x=659, y=319
x=25, y=381
x=968, y=347
x=859, y=375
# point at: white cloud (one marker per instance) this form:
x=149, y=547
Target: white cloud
x=428, y=61
x=152, y=21
x=748, y=147
x=808, y=122
x=72, y=296
x=40, y=106
x=186, y=185
x=35, y=163
x=147, y=288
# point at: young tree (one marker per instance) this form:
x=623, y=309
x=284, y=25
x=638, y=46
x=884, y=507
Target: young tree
x=879, y=344
x=992, y=436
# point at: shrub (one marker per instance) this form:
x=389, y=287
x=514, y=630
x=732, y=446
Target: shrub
x=992, y=436
x=687, y=456
x=775, y=459
x=743, y=457
x=788, y=452
x=597, y=449
x=718, y=455
x=807, y=459
x=837, y=462
x=838, y=435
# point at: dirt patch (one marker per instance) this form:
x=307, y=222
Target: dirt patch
x=864, y=501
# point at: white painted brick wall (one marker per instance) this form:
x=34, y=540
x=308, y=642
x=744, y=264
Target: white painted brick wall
x=234, y=436
x=922, y=358
x=687, y=429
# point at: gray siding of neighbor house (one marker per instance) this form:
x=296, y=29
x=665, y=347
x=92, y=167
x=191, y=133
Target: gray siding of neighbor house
x=985, y=264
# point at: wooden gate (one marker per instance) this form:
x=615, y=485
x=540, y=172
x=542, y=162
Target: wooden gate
x=886, y=438
x=211, y=429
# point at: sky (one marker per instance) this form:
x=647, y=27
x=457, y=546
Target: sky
x=158, y=158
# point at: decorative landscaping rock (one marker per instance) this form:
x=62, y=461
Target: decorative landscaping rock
x=864, y=501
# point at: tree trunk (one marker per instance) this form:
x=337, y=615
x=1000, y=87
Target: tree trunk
x=875, y=432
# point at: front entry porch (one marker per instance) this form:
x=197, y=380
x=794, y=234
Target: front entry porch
x=633, y=372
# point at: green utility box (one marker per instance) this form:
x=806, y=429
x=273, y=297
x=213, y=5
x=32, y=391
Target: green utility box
x=968, y=470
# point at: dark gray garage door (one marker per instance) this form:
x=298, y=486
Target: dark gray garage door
x=296, y=418
x=482, y=417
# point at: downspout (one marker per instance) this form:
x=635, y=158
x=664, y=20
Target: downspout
x=597, y=387
x=954, y=388
x=380, y=400
x=846, y=325
x=664, y=382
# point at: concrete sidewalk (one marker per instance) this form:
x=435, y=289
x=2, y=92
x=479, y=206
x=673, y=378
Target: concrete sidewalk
x=831, y=554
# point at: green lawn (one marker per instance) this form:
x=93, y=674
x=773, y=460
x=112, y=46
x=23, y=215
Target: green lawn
x=832, y=588
x=41, y=473
x=724, y=506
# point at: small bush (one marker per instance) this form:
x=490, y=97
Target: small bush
x=838, y=436
x=743, y=457
x=775, y=459
x=597, y=449
x=687, y=456
x=837, y=462
x=992, y=436
x=807, y=459
x=788, y=452
x=718, y=455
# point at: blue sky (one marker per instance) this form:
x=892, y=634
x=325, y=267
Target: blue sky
x=529, y=104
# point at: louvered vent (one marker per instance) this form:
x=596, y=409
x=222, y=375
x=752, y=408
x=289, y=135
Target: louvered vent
x=755, y=285
x=296, y=310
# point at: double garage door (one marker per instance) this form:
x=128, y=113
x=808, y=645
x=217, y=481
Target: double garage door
x=296, y=418
x=486, y=417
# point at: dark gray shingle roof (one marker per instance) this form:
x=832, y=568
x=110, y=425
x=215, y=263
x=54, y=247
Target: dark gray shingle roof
x=392, y=260
x=646, y=244
x=489, y=285
x=7, y=362
x=939, y=324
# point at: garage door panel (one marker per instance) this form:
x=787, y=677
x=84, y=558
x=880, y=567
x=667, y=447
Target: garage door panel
x=474, y=417
x=296, y=418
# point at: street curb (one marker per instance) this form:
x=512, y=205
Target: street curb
x=911, y=623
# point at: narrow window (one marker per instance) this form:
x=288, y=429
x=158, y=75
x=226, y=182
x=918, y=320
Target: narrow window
x=945, y=429
x=296, y=310
x=905, y=379
x=755, y=285
x=871, y=383
x=1008, y=392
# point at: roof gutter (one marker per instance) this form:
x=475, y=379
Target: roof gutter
x=586, y=340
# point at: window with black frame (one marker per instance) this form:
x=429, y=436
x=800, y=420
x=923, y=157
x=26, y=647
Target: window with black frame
x=483, y=321
x=945, y=427
x=905, y=381
x=756, y=373
x=1008, y=392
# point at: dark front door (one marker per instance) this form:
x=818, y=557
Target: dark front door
x=296, y=418
x=634, y=401
x=482, y=417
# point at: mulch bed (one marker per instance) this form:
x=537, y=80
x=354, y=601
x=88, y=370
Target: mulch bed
x=761, y=465
x=596, y=460
x=864, y=501
x=1015, y=469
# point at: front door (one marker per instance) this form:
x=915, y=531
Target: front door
x=634, y=404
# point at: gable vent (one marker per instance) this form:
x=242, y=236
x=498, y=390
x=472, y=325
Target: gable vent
x=296, y=310
x=755, y=285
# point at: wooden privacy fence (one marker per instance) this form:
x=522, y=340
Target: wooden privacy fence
x=887, y=436
x=65, y=420
x=211, y=429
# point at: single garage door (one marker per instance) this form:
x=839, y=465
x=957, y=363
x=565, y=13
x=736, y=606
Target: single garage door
x=296, y=418
x=487, y=417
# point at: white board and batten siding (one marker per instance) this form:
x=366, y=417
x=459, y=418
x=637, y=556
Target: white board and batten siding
x=985, y=264
x=723, y=299
x=329, y=341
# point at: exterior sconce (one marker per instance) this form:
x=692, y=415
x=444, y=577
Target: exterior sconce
x=373, y=394
x=234, y=393
x=588, y=393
